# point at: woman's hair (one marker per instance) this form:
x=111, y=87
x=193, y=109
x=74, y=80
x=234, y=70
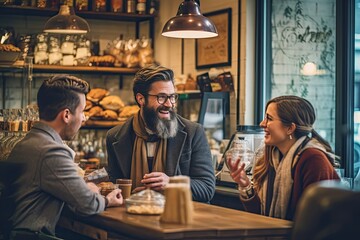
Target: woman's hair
x=58, y=93
x=291, y=109
x=148, y=75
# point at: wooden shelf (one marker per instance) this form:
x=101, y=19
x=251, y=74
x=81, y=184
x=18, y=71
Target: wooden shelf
x=18, y=66
x=48, y=12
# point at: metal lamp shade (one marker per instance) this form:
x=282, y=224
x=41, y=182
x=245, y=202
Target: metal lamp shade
x=189, y=23
x=66, y=22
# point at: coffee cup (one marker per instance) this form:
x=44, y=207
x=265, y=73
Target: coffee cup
x=125, y=186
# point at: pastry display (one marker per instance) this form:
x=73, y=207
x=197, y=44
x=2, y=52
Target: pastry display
x=95, y=111
x=102, y=109
x=129, y=111
x=96, y=94
x=102, y=61
x=112, y=103
x=88, y=105
x=109, y=115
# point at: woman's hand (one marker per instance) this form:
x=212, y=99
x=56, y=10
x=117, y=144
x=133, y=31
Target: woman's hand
x=237, y=172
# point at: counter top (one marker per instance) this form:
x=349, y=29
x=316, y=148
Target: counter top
x=210, y=222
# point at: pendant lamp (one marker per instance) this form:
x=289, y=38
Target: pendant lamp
x=189, y=23
x=66, y=22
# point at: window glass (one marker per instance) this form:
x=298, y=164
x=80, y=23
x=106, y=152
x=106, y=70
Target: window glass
x=303, y=56
x=357, y=90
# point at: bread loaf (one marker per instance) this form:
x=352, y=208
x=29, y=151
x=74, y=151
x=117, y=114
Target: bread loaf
x=112, y=103
x=96, y=94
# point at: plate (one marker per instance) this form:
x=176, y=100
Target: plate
x=9, y=57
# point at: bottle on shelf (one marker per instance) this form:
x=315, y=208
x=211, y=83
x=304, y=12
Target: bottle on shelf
x=116, y=6
x=130, y=6
x=141, y=7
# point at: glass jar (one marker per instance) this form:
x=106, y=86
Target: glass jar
x=99, y=5
x=83, y=51
x=239, y=151
x=41, y=47
x=141, y=7
x=146, y=202
x=130, y=6
x=55, y=54
x=81, y=5
x=116, y=6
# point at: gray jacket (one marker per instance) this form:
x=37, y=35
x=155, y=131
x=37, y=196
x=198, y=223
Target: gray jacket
x=188, y=153
x=50, y=179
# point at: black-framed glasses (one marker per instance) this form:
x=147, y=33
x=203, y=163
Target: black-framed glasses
x=162, y=98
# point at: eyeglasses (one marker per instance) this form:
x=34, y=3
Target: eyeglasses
x=268, y=118
x=162, y=98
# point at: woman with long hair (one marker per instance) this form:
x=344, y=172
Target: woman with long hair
x=295, y=156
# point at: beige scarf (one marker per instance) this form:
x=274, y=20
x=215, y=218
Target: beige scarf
x=139, y=162
x=283, y=182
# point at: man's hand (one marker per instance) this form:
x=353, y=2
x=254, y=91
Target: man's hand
x=115, y=198
x=93, y=187
x=155, y=180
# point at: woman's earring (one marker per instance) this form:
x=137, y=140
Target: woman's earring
x=290, y=137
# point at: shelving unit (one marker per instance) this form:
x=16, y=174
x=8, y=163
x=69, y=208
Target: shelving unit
x=48, y=12
x=7, y=10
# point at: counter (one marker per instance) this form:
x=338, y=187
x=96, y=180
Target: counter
x=210, y=222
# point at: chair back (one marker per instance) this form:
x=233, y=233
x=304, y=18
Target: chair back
x=327, y=210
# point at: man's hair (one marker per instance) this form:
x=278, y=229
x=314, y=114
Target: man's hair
x=58, y=93
x=148, y=75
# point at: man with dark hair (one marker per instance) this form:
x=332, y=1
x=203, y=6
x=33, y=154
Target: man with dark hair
x=157, y=143
x=50, y=177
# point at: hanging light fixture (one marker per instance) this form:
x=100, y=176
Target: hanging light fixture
x=189, y=23
x=66, y=22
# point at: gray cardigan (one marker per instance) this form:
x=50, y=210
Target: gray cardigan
x=188, y=153
x=50, y=179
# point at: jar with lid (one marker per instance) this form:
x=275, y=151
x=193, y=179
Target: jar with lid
x=239, y=152
x=68, y=50
x=141, y=7
x=116, y=6
x=55, y=54
x=146, y=202
x=41, y=3
x=99, y=5
x=83, y=51
x=81, y=5
x=130, y=6
x=41, y=47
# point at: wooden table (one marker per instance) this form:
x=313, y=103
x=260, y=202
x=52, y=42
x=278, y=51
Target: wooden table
x=210, y=222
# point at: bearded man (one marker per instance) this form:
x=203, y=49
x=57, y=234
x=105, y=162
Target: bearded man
x=157, y=143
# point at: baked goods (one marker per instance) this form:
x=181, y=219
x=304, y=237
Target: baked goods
x=95, y=111
x=88, y=105
x=112, y=103
x=102, y=61
x=9, y=48
x=96, y=94
x=109, y=115
x=106, y=187
x=129, y=111
x=145, y=209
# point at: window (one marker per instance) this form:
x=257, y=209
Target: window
x=304, y=49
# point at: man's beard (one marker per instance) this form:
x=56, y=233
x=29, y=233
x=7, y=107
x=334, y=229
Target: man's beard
x=163, y=128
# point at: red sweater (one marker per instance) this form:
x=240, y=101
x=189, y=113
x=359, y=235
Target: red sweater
x=312, y=166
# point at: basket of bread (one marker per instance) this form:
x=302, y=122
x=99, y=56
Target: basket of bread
x=9, y=53
x=104, y=109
